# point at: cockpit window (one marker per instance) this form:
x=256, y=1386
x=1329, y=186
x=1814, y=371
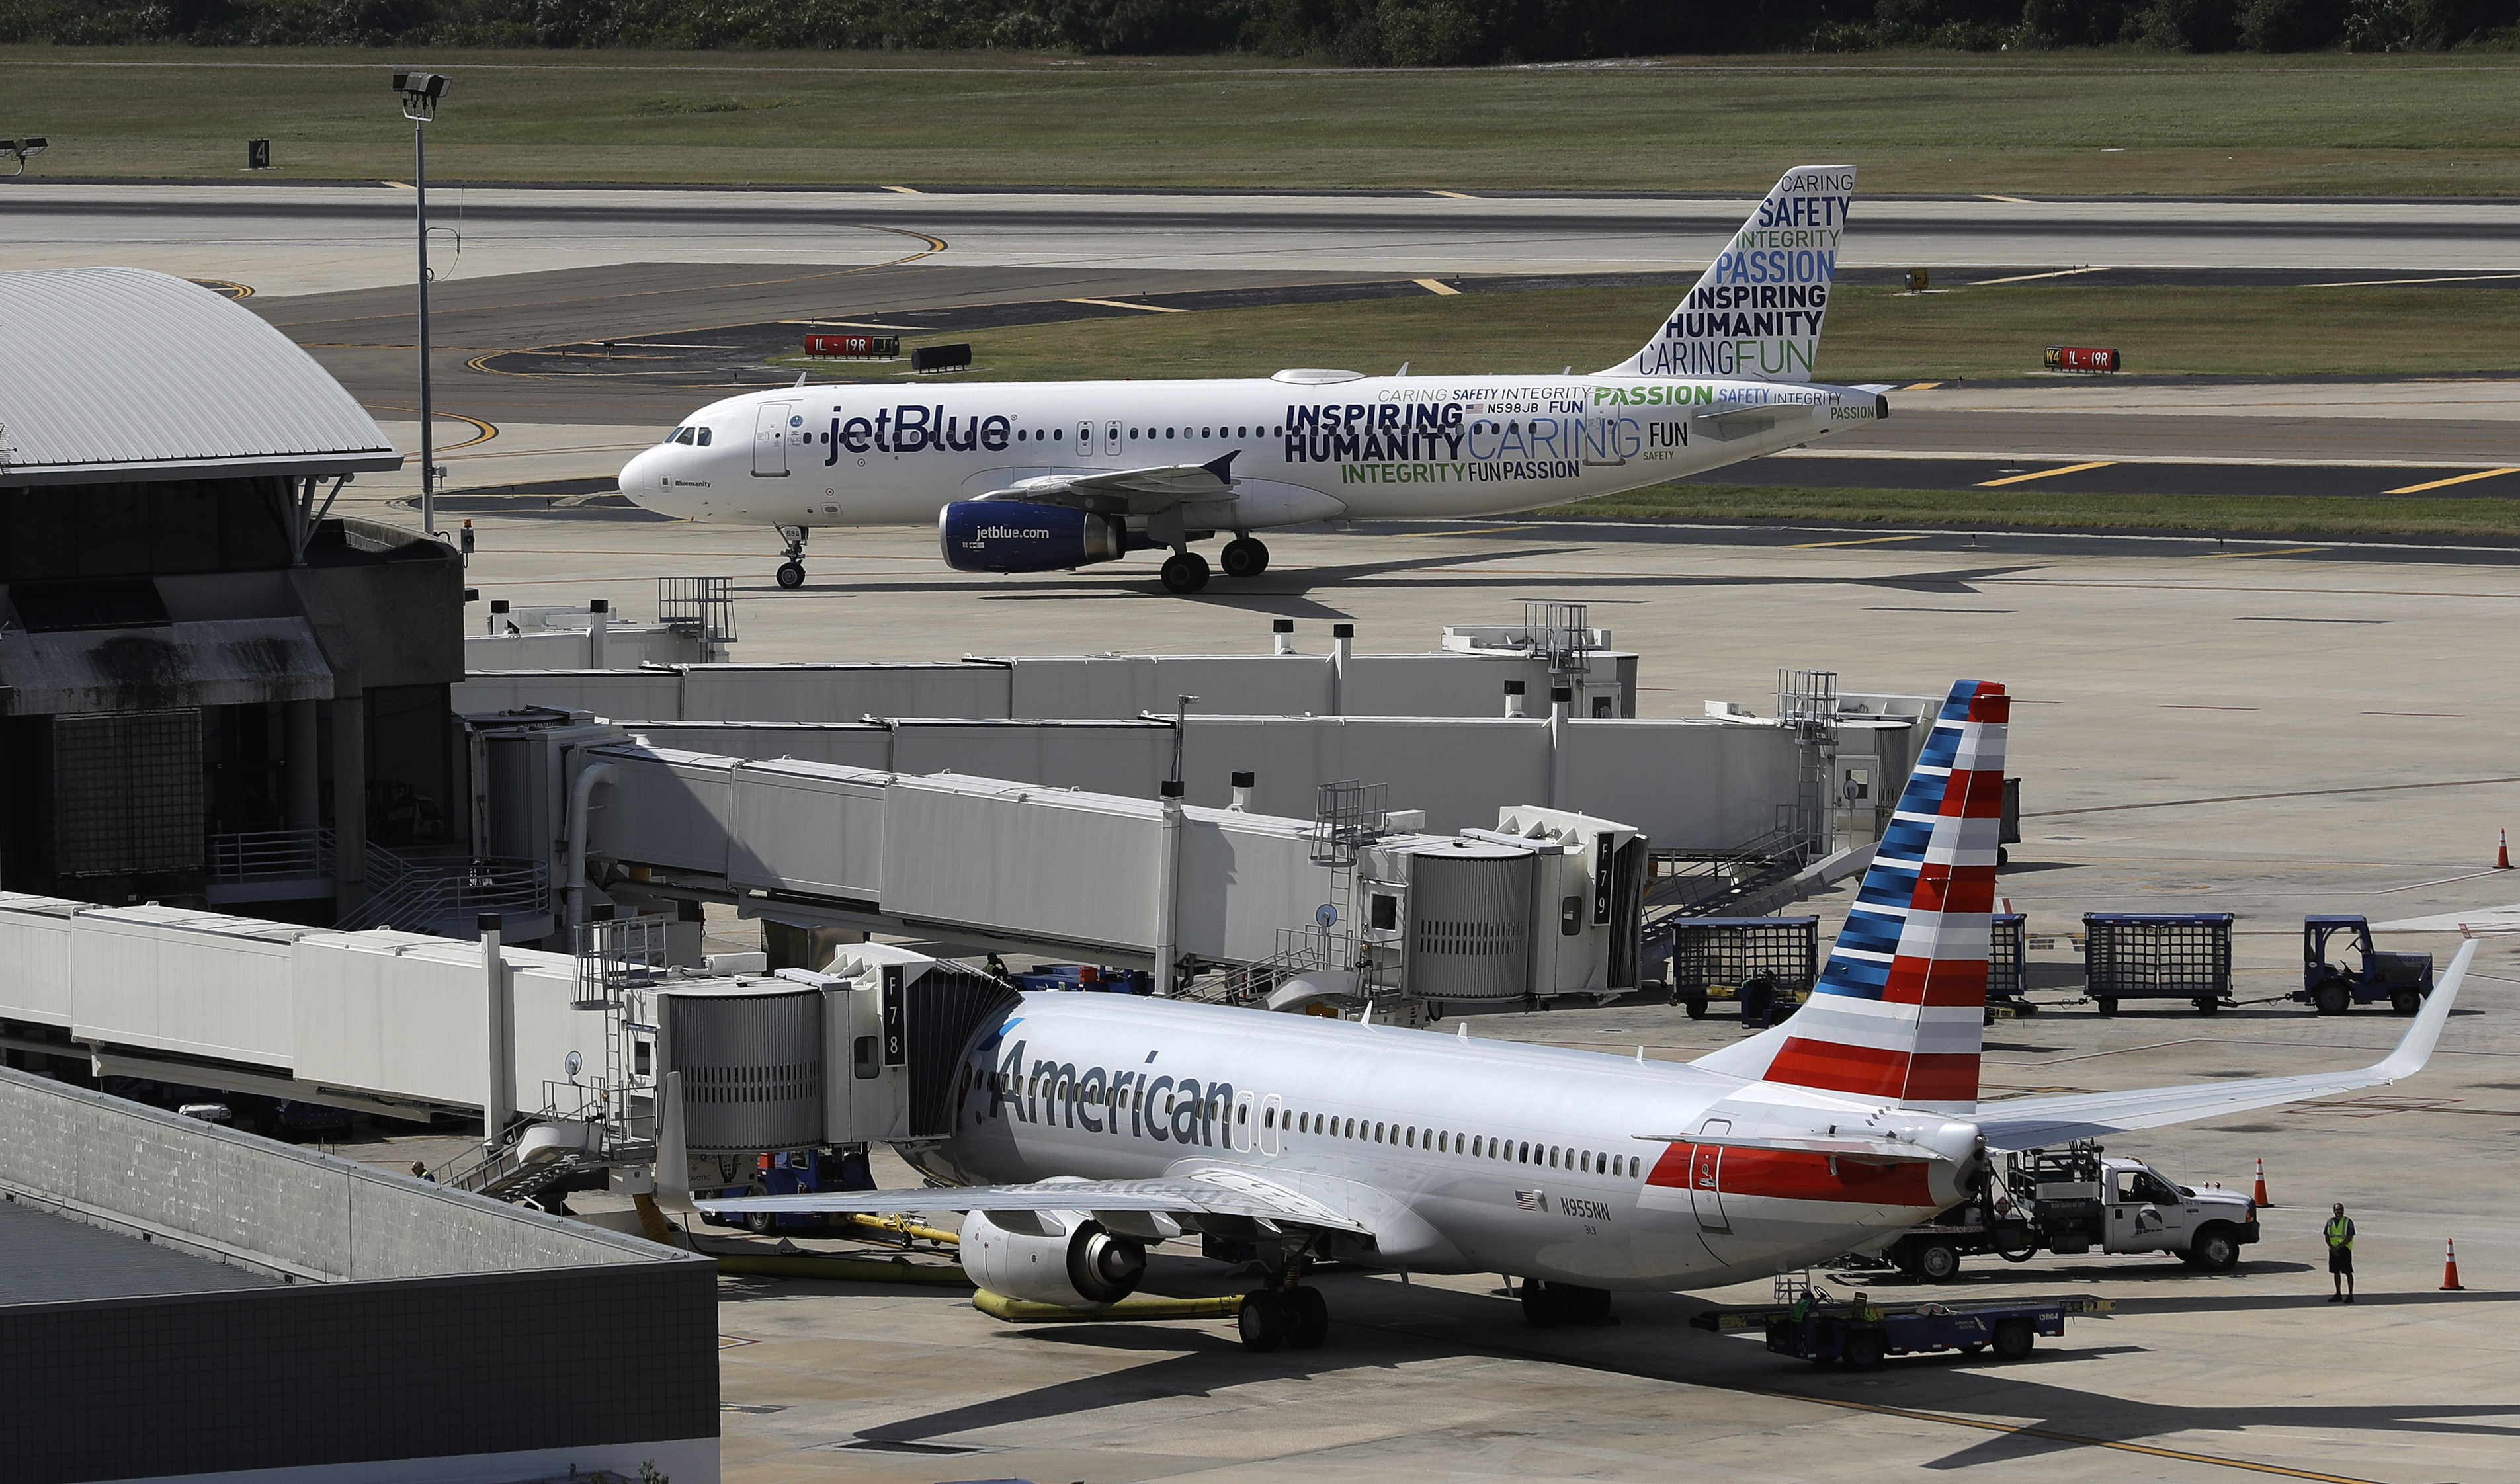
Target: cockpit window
x=683, y=434
x=704, y=435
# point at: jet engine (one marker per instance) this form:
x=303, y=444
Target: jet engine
x=1050, y=1257
x=1022, y=536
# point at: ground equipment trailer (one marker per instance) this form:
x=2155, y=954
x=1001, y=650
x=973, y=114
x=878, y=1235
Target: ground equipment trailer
x=1768, y=964
x=2157, y=955
x=2073, y=1200
x=1861, y=1334
x=2334, y=986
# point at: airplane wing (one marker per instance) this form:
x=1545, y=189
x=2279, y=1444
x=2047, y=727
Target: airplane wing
x=1218, y=1193
x=2036, y=1121
x=1127, y=491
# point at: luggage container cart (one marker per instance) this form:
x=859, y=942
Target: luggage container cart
x=1767, y=964
x=2157, y=955
x=2007, y=962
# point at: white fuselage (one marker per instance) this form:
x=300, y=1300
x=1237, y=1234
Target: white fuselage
x=1461, y=1155
x=856, y=454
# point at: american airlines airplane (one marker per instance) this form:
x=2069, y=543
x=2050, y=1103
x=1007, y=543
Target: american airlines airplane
x=1090, y=1125
x=1036, y=476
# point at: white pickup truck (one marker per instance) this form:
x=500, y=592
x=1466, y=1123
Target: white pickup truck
x=2070, y=1200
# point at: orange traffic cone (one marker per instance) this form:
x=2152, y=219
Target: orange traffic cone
x=2503, y=854
x=2260, y=1199
x=2450, y=1268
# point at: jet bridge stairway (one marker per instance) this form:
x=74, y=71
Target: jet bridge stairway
x=1745, y=881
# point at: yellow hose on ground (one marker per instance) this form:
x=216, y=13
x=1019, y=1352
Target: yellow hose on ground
x=903, y=1226
x=1017, y=1311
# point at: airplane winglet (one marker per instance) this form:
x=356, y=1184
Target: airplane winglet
x=2416, y=1046
x=1222, y=468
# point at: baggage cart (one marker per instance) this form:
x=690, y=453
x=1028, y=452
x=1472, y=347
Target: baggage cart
x=2157, y=955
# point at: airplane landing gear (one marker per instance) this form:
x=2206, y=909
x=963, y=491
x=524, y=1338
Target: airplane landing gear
x=1308, y=1318
x=792, y=574
x=1285, y=1311
x=1185, y=572
x=1243, y=556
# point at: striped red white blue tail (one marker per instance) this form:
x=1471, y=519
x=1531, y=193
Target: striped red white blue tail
x=1899, y=1012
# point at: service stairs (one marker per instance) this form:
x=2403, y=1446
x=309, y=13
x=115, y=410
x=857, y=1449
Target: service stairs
x=500, y=1174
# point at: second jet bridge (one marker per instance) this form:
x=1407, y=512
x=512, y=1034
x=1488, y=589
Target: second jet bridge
x=990, y=862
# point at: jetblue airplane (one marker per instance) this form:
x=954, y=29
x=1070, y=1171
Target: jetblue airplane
x=1090, y=1125
x=1034, y=477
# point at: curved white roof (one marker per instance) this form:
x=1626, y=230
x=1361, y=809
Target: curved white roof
x=111, y=374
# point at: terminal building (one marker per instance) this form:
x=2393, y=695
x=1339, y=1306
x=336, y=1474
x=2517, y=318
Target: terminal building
x=212, y=691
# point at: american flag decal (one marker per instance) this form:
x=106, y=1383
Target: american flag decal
x=1532, y=1200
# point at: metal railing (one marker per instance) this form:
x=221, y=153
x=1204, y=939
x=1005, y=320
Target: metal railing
x=255, y=856
x=427, y=897
x=702, y=605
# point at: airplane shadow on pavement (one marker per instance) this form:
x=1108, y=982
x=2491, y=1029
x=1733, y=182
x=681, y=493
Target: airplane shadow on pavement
x=2029, y=1414
x=1289, y=592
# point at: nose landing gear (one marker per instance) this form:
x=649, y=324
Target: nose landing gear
x=792, y=574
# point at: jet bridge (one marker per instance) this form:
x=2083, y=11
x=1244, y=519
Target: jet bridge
x=995, y=864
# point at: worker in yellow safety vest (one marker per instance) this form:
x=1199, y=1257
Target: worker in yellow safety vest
x=2339, y=1232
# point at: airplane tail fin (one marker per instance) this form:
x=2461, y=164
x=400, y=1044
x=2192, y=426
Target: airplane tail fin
x=1900, y=1009
x=1757, y=312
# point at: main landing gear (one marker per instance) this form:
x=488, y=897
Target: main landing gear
x=1284, y=1313
x=1243, y=556
x=1187, y=572
x=1547, y=1305
x=792, y=574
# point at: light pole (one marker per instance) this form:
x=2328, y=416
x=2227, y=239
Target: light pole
x=419, y=94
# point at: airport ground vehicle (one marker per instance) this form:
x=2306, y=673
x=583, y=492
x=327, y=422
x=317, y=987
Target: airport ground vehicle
x=2070, y=1200
x=2333, y=986
x=804, y=1172
x=1088, y=976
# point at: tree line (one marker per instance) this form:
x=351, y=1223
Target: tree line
x=1358, y=32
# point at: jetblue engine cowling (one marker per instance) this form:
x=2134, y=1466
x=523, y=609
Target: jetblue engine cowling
x=1020, y=536
x=1050, y=1257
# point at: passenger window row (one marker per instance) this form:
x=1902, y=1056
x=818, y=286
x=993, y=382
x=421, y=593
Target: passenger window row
x=1166, y=433
x=1447, y=1142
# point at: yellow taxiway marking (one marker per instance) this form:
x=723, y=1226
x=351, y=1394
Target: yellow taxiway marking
x=1125, y=304
x=2481, y=474
x=399, y=185
x=2015, y=200
x=1804, y=546
x=2288, y=551
x=1920, y=386
x=2032, y=277
x=2045, y=474
x=901, y=190
x=487, y=430
x=1436, y=285
x=1453, y=195
x=2382, y=282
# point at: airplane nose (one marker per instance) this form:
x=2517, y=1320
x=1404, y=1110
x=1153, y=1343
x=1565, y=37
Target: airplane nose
x=643, y=477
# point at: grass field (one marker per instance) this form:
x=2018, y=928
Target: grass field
x=2044, y=124
x=1872, y=334
x=2408, y=515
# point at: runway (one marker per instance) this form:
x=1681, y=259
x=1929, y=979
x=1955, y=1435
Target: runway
x=315, y=238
